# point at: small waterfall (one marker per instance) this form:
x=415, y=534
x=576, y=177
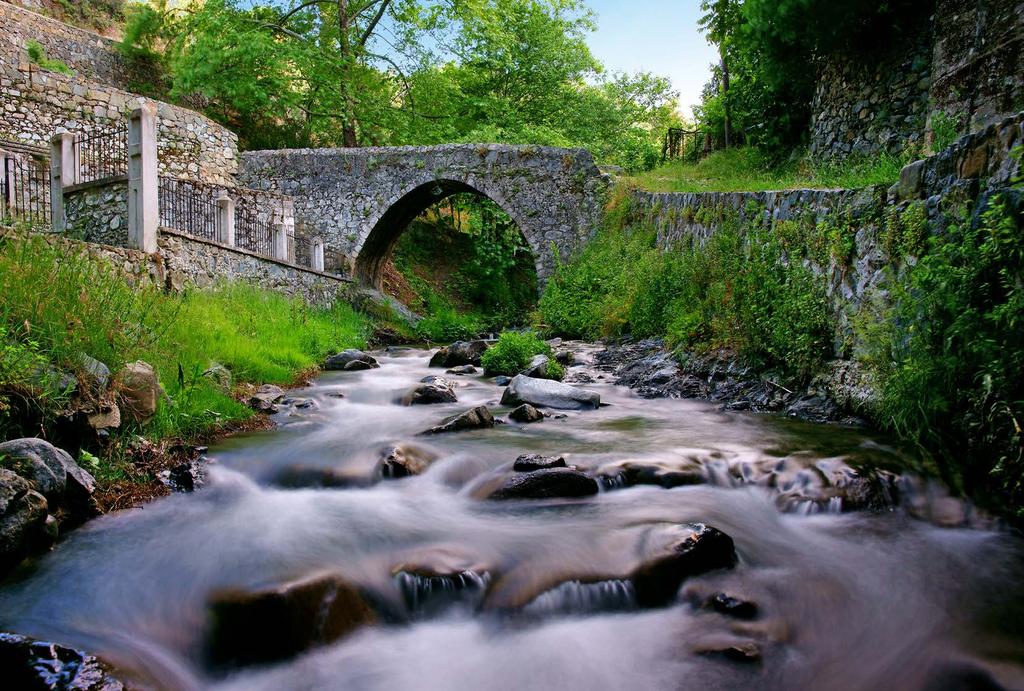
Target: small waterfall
x=574, y=597
x=428, y=594
x=610, y=482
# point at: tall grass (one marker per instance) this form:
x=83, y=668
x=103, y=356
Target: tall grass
x=746, y=169
x=57, y=304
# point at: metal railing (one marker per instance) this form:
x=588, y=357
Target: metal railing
x=303, y=251
x=25, y=191
x=680, y=143
x=253, y=231
x=184, y=208
x=102, y=154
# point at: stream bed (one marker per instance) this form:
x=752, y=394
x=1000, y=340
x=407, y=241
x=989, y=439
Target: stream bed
x=460, y=592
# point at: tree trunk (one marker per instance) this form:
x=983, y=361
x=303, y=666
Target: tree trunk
x=348, y=122
x=725, y=100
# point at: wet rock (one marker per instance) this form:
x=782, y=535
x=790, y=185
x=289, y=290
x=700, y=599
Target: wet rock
x=437, y=578
x=436, y=391
x=732, y=607
x=266, y=398
x=312, y=477
x=526, y=413
x=95, y=374
x=538, y=367
x=463, y=370
x=565, y=358
x=542, y=393
x=54, y=474
x=530, y=462
x=301, y=403
x=502, y=380
x=678, y=552
x=187, y=476
x=276, y=624
x=814, y=408
x=350, y=361
x=140, y=391
x=23, y=514
x=547, y=484
x=32, y=665
x=741, y=650
x=220, y=376
x=404, y=460
x=459, y=353
x=477, y=418
x=960, y=676
x=631, y=473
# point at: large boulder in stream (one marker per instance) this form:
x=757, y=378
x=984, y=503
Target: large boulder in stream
x=350, y=361
x=543, y=393
x=31, y=665
x=278, y=623
x=477, y=418
x=54, y=474
x=548, y=483
x=459, y=353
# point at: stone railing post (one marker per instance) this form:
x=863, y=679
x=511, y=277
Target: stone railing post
x=280, y=250
x=226, y=219
x=63, y=173
x=7, y=162
x=143, y=180
x=318, y=254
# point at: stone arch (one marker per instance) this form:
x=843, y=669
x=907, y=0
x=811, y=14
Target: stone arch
x=386, y=226
x=352, y=197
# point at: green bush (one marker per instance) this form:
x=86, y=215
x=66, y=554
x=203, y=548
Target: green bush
x=735, y=291
x=444, y=323
x=950, y=353
x=513, y=352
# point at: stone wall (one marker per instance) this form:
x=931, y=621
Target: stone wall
x=978, y=62
x=35, y=103
x=966, y=60
x=864, y=106
x=970, y=171
x=190, y=261
x=98, y=211
x=90, y=55
x=361, y=200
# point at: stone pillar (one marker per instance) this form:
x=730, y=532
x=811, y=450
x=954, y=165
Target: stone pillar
x=226, y=219
x=143, y=180
x=63, y=173
x=280, y=248
x=318, y=254
x=7, y=205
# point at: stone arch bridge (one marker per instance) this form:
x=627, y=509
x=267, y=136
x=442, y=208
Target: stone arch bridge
x=360, y=201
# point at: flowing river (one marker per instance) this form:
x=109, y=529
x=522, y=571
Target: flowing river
x=844, y=599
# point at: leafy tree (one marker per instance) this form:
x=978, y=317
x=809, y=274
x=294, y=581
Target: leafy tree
x=330, y=72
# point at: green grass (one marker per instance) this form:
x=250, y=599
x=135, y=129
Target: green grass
x=513, y=352
x=37, y=54
x=746, y=169
x=57, y=303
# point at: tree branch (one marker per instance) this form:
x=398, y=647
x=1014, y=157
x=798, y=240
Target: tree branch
x=374, y=22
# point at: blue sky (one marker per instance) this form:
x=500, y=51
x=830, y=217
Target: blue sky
x=658, y=36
